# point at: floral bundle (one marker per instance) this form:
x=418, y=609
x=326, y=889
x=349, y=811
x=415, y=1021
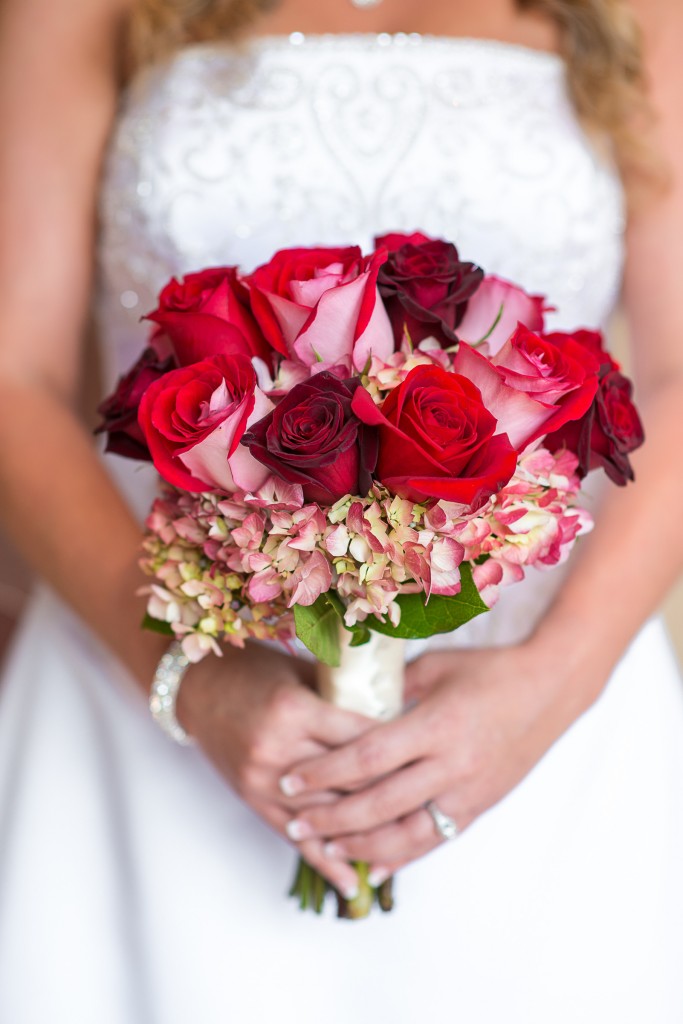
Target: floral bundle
x=360, y=444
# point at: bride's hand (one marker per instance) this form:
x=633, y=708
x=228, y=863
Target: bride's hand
x=253, y=712
x=482, y=720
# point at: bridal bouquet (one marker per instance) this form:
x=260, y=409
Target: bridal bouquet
x=359, y=450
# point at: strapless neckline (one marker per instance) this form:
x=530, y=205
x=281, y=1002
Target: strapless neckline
x=509, y=52
x=232, y=149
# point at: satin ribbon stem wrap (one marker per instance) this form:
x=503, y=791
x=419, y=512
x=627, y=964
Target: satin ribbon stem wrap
x=370, y=681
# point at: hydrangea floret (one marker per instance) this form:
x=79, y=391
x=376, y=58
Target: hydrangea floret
x=233, y=567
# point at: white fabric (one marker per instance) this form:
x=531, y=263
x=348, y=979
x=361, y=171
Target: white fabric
x=134, y=887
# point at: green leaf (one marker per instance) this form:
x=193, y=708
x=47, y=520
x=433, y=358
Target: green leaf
x=438, y=615
x=317, y=626
x=361, y=635
x=157, y=626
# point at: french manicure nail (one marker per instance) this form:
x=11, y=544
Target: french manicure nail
x=377, y=877
x=292, y=785
x=350, y=892
x=298, y=830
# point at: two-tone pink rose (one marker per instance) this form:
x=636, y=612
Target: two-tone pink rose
x=321, y=307
x=193, y=420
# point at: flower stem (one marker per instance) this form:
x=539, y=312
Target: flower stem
x=310, y=889
x=362, y=904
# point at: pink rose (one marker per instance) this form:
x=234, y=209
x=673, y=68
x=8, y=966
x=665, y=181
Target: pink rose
x=536, y=389
x=322, y=307
x=554, y=369
x=193, y=420
x=207, y=314
x=494, y=311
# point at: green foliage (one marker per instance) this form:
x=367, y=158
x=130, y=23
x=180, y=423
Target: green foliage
x=438, y=615
x=157, y=626
x=317, y=626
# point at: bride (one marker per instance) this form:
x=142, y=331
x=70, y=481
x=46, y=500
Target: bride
x=144, y=882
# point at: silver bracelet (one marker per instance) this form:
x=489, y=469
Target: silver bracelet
x=164, y=693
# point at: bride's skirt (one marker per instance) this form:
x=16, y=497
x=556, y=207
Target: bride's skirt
x=136, y=889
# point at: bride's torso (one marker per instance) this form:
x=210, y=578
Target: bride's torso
x=226, y=153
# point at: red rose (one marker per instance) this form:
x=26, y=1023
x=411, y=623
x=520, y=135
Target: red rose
x=208, y=314
x=611, y=428
x=591, y=341
x=425, y=287
x=120, y=410
x=321, y=306
x=437, y=439
x=313, y=438
x=607, y=434
x=193, y=420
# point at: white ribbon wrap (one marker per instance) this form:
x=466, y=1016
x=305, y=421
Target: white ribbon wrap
x=370, y=678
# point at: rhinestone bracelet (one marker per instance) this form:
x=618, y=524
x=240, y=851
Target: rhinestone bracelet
x=164, y=693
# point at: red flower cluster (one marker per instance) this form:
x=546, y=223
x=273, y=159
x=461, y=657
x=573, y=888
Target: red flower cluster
x=611, y=428
x=328, y=370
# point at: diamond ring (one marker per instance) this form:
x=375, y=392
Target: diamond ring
x=444, y=825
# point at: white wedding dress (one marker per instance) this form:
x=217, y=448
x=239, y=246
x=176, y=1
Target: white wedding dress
x=134, y=887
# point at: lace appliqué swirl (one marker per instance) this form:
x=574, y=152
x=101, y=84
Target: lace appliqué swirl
x=227, y=153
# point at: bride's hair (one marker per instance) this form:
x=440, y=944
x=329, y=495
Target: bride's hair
x=600, y=41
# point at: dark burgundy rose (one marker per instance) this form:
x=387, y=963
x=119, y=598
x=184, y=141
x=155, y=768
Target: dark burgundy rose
x=120, y=410
x=425, y=287
x=437, y=439
x=208, y=314
x=611, y=428
x=396, y=240
x=314, y=439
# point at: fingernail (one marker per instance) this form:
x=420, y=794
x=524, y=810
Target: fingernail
x=292, y=785
x=350, y=892
x=333, y=851
x=377, y=877
x=298, y=830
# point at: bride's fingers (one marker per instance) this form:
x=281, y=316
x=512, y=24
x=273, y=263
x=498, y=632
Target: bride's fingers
x=334, y=726
x=257, y=783
x=380, y=750
x=421, y=676
x=402, y=840
x=294, y=804
x=386, y=801
x=398, y=843
x=338, y=873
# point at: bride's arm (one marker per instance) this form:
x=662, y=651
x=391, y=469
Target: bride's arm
x=486, y=717
x=58, y=94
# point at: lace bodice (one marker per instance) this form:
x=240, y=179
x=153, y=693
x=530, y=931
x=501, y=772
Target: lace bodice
x=226, y=153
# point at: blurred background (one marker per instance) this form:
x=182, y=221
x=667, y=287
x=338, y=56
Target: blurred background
x=15, y=580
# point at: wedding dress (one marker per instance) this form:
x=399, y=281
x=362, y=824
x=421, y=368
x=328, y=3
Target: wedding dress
x=135, y=887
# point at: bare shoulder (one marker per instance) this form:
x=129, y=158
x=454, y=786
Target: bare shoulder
x=655, y=241
x=58, y=95
x=58, y=21
x=661, y=23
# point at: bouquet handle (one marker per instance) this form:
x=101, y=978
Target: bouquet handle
x=369, y=680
